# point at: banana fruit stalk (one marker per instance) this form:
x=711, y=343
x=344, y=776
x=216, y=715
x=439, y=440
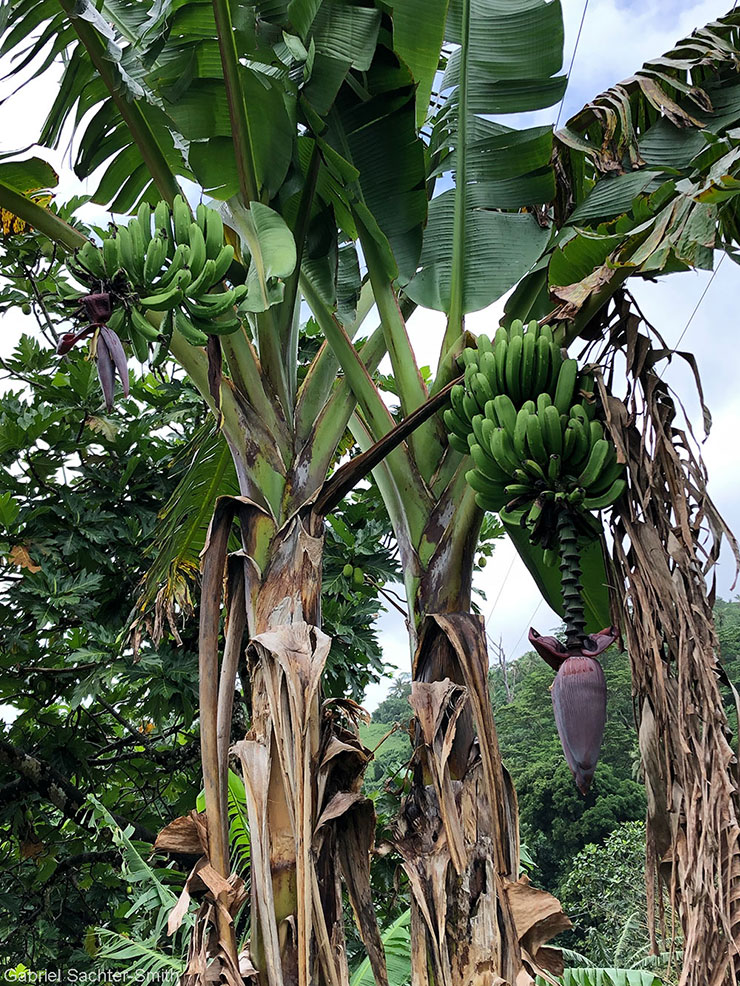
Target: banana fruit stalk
x=528, y=419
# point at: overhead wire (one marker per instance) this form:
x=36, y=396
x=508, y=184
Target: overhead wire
x=573, y=58
x=529, y=623
x=503, y=585
x=701, y=298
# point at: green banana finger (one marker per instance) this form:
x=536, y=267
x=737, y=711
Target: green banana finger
x=163, y=226
x=221, y=326
x=487, y=503
x=222, y=262
x=214, y=234
x=189, y=332
x=535, y=470
x=181, y=219
x=139, y=344
x=92, y=259
x=581, y=447
x=481, y=390
x=487, y=429
x=534, y=439
x=553, y=431
x=556, y=361
x=611, y=471
x=527, y=373
x=513, y=365
x=155, y=256
x=206, y=309
x=595, y=464
x=144, y=215
x=542, y=366
x=471, y=368
x=566, y=385
x=179, y=259
x=111, y=257
x=138, y=249
x=543, y=400
x=459, y=444
x=500, y=350
x=143, y=326
x=487, y=366
x=606, y=499
x=456, y=397
x=518, y=489
x=126, y=251
x=477, y=423
x=456, y=425
x=505, y=411
x=197, y=250
x=162, y=301
x=595, y=432
x=486, y=465
x=546, y=332
x=470, y=406
x=481, y=484
x=484, y=344
x=503, y=452
x=490, y=412
x=516, y=329
x=204, y=281
x=520, y=432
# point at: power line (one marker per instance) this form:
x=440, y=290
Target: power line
x=503, y=584
x=570, y=67
x=529, y=624
x=703, y=295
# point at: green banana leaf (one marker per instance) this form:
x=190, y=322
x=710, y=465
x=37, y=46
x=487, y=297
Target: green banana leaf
x=504, y=61
x=606, y=977
x=397, y=944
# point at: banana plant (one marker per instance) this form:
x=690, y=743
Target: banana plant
x=349, y=151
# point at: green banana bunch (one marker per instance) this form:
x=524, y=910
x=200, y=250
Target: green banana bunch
x=528, y=420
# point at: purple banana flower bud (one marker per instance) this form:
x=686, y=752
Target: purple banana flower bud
x=578, y=698
x=579, y=703
x=115, y=348
x=98, y=307
x=106, y=371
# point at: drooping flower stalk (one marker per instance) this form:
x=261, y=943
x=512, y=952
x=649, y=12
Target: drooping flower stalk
x=570, y=577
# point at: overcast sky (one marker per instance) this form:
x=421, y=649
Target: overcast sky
x=616, y=39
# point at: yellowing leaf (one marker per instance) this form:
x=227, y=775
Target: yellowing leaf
x=104, y=426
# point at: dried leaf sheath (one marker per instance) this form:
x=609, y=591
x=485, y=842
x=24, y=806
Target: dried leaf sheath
x=663, y=560
x=457, y=833
x=297, y=762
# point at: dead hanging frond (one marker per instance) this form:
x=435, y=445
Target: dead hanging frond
x=667, y=535
x=165, y=593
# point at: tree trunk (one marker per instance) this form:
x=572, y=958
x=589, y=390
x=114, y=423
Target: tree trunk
x=302, y=763
x=474, y=923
